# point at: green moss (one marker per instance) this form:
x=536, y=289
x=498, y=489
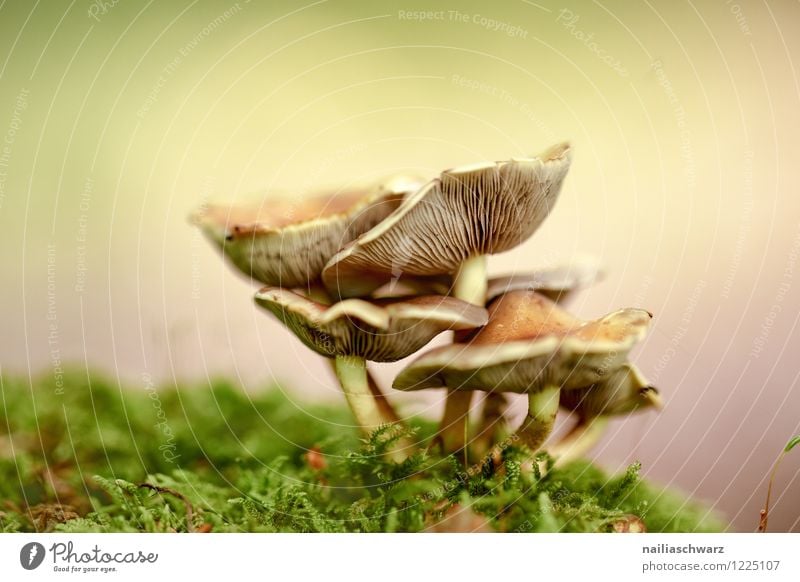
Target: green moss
x=93, y=456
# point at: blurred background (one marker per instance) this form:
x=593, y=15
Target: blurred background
x=117, y=118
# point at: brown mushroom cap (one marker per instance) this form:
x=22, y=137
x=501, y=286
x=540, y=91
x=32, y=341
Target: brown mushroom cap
x=286, y=242
x=528, y=343
x=625, y=390
x=473, y=210
x=379, y=330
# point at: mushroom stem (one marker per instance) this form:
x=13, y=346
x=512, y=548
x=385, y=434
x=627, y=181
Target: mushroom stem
x=387, y=410
x=470, y=281
x=453, y=425
x=538, y=424
x=385, y=407
x=352, y=374
x=579, y=440
x=492, y=423
x=355, y=381
x=469, y=285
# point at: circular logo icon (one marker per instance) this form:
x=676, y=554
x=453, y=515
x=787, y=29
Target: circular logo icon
x=31, y=555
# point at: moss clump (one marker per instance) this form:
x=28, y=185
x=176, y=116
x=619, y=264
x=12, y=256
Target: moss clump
x=94, y=456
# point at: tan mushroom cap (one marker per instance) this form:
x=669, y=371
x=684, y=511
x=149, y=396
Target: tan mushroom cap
x=286, y=242
x=379, y=330
x=472, y=210
x=625, y=390
x=528, y=343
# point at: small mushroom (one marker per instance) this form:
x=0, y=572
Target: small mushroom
x=623, y=392
x=530, y=345
x=287, y=242
x=557, y=284
x=448, y=227
x=355, y=330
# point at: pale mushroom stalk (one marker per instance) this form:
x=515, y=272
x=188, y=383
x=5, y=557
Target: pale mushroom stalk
x=541, y=417
x=492, y=427
x=469, y=285
x=358, y=386
x=387, y=410
x=352, y=374
x=470, y=282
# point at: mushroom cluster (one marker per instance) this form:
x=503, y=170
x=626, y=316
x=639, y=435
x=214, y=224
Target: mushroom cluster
x=375, y=275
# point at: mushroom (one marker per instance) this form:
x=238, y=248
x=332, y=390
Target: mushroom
x=287, y=242
x=356, y=330
x=530, y=345
x=448, y=227
x=623, y=392
x=557, y=284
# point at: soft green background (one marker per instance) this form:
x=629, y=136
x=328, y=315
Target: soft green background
x=684, y=182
